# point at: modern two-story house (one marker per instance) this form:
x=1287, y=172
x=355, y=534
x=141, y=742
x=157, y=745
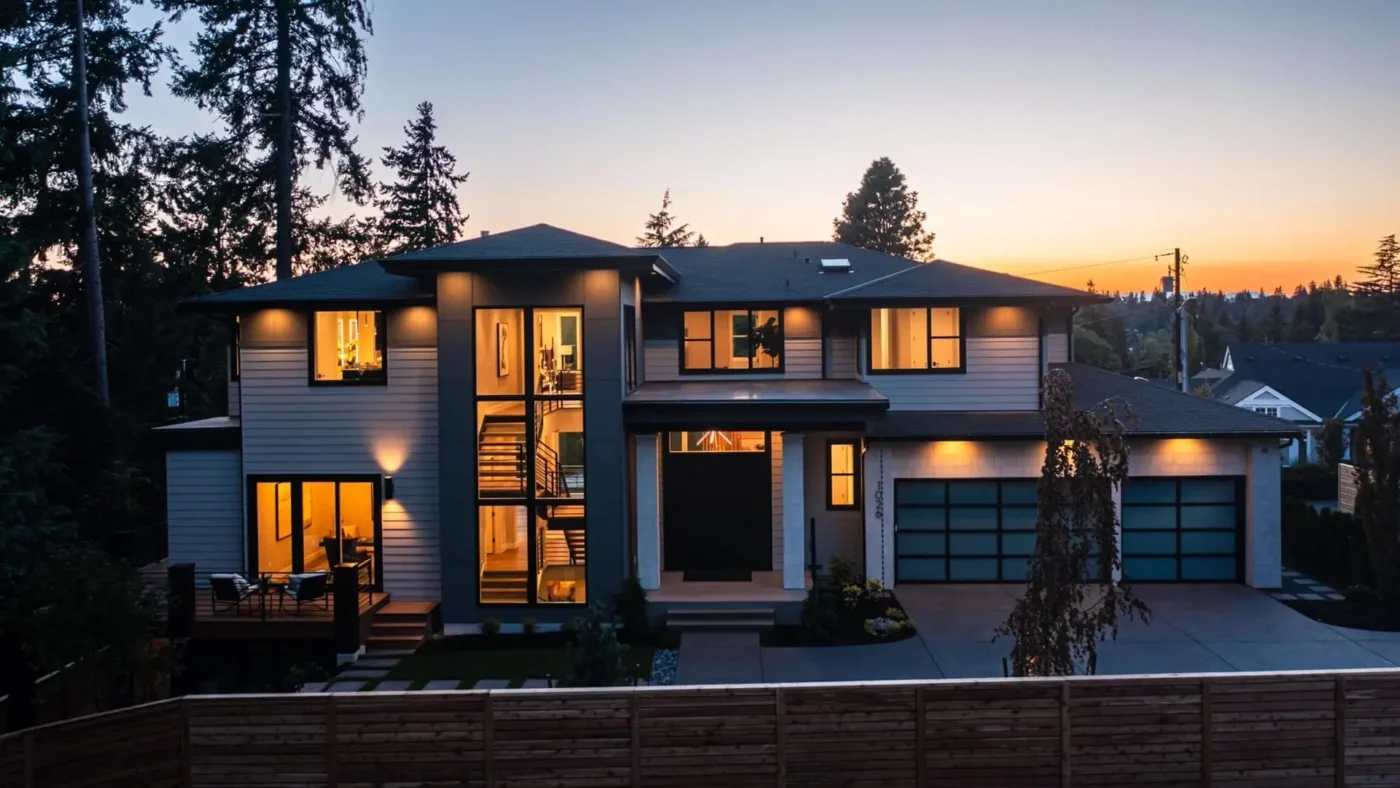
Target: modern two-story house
x=513, y=424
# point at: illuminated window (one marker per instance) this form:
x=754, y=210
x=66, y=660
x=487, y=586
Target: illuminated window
x=713, y=441
x=348, y=347
x=919, y=338
x=311, y=525
x=842, y=462
x=732, y=340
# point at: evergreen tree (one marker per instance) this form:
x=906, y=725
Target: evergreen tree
x=1276, y=326
x=420, y=209
x=662, y=232
x=1300, y=328
x=286, y=76
x=1375, y=312
x=883, y=215
x=701, y=241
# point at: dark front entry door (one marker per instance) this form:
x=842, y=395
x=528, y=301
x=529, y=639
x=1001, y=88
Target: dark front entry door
x=717, y=510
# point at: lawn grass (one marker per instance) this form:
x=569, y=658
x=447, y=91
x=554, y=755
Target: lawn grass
x=512, y=664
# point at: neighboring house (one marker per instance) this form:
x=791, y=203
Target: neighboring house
x=511, y=425
x=1302, y=382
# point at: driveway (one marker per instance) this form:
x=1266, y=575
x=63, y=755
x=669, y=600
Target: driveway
x=1193, y=629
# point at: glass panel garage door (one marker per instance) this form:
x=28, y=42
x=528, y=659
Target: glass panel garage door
x=1182, y=529
x=963, y=531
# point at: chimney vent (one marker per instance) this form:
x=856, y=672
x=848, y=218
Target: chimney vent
x=485, y=233
x=760, y=239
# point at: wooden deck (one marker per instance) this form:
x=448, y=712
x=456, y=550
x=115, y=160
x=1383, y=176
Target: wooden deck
x=313, y=622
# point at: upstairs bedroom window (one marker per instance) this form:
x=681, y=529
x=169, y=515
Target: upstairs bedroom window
x=918, y=339
x=349, y=347
x=732, y=340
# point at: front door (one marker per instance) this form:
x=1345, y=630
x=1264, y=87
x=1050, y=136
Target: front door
x=717, y=507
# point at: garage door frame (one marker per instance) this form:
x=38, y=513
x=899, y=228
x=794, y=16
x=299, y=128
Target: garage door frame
x=1239, y=485
x=1000, y=506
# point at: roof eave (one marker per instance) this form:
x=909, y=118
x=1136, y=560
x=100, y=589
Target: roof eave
x=244, y=306
x=633, y=263
x=861, y=301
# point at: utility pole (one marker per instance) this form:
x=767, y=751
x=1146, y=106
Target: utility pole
x=1178, y=360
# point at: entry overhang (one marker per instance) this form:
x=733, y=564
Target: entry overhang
x=766, y=404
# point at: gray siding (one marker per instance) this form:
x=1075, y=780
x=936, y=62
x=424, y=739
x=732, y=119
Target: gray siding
x=204, y=511
x=842, y=363
x=233, y=394
x=802, y=349
x=838, y=532
x=290, y=427
x=1003, y=373
x=1057, y=347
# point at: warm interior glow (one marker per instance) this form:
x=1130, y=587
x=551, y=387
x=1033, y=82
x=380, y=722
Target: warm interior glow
x=843, y=478
x=915, y=338
x=733, y=339
x=558, y=351
x=349, y=345
x=709, y=441
x=335, y=523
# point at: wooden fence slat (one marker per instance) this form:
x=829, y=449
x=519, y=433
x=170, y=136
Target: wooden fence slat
x=28, y=760
x=920, y=732
x=332, y=746
x=636, y=742
x=1065, y=772
x=1207, y=768
x=1340, y=771
x=780, y=736
x=488, y=755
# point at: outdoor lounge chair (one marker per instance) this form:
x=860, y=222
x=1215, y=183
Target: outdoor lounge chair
x=231, y=591
x=308, y=588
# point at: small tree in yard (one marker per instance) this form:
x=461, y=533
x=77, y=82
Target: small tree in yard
x=1058, y=623
x=1377, y=458
x=595, y=656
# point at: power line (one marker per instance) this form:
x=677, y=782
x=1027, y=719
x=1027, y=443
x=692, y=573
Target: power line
x=1091, y=265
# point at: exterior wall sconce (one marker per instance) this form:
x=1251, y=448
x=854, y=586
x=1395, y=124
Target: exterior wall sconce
x=388, y=488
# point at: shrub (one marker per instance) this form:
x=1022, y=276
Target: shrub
x=529, y=627
x=491, y=627
x=1327, y=545
x=893, y=622
x=820, y=613
x=844, y=572
x=629, y=607
x=596, y=658
x=569, y=629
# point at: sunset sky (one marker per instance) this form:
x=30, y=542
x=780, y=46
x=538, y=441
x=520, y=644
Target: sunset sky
x=1261, y=137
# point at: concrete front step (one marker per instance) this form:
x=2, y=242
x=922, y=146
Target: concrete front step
x=379, y=644
x=405, y=628
x=720, y=619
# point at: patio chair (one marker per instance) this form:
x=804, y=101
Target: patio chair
x=308, y=589
x=231, y=591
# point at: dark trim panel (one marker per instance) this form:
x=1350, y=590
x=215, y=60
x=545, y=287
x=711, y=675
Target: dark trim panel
x=228, y=438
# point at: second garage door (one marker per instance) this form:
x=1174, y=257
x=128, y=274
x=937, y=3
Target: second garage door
x=1183, y=529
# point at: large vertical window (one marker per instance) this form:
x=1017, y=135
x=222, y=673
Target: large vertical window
x=732, y=340
x=530, y=456
x=842, y=475
x=313, y=524
x=348, y=347
x=919, y=339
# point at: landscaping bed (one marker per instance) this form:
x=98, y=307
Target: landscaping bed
x=1366, y=612
x=843, y=609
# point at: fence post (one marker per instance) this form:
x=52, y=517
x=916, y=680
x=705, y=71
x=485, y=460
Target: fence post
x=1207, y=766
x=488, y=743
x=920, y=724
x=1065, y=771
x=345, y=601
x=1340, y=771
x=186, y=756
x=780, y=736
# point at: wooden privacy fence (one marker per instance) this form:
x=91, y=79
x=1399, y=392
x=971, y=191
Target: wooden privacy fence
x=1275, y=730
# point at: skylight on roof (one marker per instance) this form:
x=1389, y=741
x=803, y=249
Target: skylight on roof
x=837, y=264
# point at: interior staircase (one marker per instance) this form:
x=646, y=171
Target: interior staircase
x=504, y=586
x=501, y=456
x=400, y=628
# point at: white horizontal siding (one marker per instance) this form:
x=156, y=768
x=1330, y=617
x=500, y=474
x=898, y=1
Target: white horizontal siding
x=290, y=427
x=233, y=403
x=1003, y=373
x=663, y=364
x=843, y=363
x=802, y=359
x=204, y=511
x=1057, y=347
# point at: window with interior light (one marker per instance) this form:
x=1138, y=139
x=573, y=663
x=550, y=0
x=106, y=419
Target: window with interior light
x=916, y=339
x=348, y=347
x=842, y=475
x=732, y=340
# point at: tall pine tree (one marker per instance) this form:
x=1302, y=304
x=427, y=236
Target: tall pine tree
x=662, y=232
x=883, y=215
x=420, y=209
x=286, y=75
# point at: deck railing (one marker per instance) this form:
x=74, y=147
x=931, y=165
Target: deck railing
x=1305, y=728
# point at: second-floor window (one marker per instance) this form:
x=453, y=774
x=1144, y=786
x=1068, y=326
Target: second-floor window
x=349, y=346
x=732, y=340
x=918, y=339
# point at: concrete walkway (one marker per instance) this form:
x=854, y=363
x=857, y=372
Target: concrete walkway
x=719, y=658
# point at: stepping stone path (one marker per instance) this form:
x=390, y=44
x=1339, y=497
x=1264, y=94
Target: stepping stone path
x=536, y=684
x=442, y=684
x=393, y=686
x=353, y=673
x=492, y=684
x=345, y=686
x=1297, y=585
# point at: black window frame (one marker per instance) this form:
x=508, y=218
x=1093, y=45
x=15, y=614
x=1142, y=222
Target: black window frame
x=960, y=369
x=381, y=330
x=682, y=340
x=1238, y=528
x=831, y=474
x=999, y=506
x=251, y=482
x=235, y=358
x=530, y=500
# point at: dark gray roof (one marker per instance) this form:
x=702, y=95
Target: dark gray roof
x=1147, y=409
x=1324, y=377
x=538, y=241
x=360, y=282
x=786, y=271
x=740, y=392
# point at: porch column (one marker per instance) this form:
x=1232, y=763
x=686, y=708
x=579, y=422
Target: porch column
x=794, y=515
x=648, y=491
